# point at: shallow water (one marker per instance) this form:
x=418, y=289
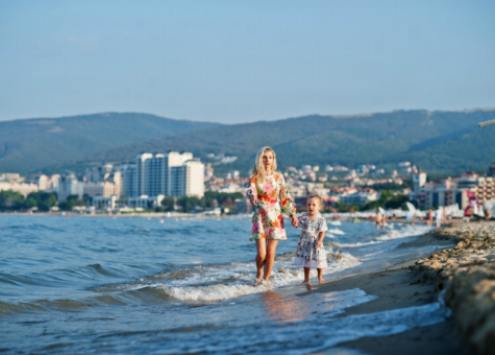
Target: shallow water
x=134, y=285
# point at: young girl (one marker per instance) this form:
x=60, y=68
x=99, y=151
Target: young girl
x=268, y=196
x=310, y=252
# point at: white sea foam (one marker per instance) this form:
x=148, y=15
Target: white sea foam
x=336, y=231
x=218, y=283
x=384, y=323
x=391, y=232
x=404, y=232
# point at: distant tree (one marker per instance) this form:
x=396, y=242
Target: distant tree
x=87, y=200
x=190, y=204
x=213, y=199
x=11, y=201
x=168, y=204
x=71, y=202
x=387, y=200
x=343, y=207
x=42, y=200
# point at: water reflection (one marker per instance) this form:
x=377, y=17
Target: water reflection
x=284, y=309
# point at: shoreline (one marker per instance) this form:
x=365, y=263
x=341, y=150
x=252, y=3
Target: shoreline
x=398, y=287
x=466, y=273
x=463, y=272
x=161, y=215
x=351, y=216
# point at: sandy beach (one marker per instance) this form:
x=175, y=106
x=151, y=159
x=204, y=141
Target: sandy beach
x=463, y=273
x=399, y=287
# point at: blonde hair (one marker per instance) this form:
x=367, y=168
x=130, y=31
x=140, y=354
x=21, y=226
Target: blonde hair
x=259, y=168
x=317, y=197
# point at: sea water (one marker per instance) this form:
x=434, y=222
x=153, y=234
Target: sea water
x=79, y=284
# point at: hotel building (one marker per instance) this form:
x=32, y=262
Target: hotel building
x=163, y=174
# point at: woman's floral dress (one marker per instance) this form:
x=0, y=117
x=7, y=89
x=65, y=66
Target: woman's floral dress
x=307, y=253
x=269, y=199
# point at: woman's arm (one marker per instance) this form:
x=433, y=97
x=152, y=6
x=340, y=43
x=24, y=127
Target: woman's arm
x=286, y=203
x=252, y=192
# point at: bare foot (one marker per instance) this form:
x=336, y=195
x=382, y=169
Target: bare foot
x=321, y=280
x=258, y=282
x=309, y=286
x=266, y=283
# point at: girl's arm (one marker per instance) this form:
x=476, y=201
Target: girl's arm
x=321, y=232
x=319, y=242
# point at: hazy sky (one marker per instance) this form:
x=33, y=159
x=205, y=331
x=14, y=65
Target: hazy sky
x=233, y=61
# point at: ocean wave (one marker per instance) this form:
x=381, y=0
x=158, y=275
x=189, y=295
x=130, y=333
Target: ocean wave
x=406, y=231
x=336, y=231
x=389, y=234
x=43, y=304
x=214, y=283
x=31, y=227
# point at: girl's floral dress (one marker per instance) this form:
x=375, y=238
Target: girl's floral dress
x=269, y=199
x=307, y=253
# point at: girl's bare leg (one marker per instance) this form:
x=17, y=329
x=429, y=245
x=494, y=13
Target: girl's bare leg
x=306, y=278
x=321, y=279
x=271, y=249
x=260, y=258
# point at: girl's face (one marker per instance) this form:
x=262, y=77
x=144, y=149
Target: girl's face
x=313, y=206
x=267, y=159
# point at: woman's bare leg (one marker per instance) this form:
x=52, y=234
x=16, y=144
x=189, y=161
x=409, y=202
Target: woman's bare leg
x=260, y=257
x=271, y=250
x=306, y=274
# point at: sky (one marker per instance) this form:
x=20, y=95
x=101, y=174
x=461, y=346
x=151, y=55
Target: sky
x=241, y=61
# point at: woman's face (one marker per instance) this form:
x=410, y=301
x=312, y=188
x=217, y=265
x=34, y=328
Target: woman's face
x=267, y=159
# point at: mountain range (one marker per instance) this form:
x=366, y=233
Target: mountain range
x=442, y=142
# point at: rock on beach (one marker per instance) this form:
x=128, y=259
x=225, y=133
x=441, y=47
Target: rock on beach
x=467, y=274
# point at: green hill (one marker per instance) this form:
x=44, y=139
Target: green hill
x=439, y=141
x=49, y=144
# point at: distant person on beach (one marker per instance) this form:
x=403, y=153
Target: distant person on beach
x=269, y=198
x=439, y=217
x=429, y=217
x=487, y=214
x=310, y=253
x=468, y=213
x=380, y=218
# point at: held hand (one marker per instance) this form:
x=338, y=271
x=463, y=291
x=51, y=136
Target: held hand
x=294, y=221
x=319, y=244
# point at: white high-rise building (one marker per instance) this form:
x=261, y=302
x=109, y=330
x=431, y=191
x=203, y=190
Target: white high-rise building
x=129, y=184
x=170, y=174
x=194, y=178
x=69, y=185
x=49, y=183
x=419, y=180
x=144, y=174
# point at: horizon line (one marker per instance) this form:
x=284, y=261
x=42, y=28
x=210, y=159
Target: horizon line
x=338, y=116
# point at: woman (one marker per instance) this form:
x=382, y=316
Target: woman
x=269, y=199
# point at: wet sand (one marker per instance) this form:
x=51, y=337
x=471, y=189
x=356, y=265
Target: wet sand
x=399, y=287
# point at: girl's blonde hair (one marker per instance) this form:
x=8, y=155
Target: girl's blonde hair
x=259, y=168
x=317, y=197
